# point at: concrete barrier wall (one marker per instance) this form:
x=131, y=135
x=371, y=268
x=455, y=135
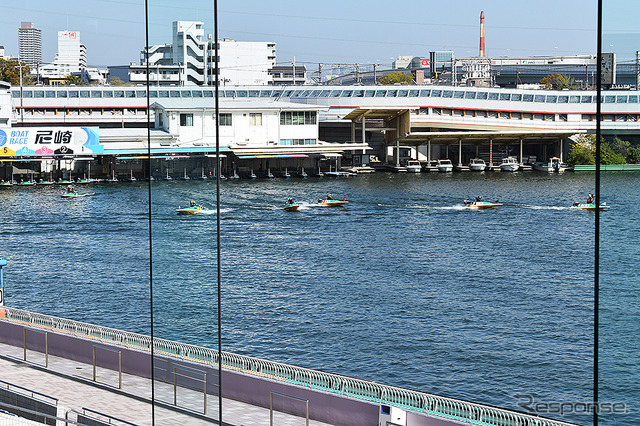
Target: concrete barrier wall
x=325, y=407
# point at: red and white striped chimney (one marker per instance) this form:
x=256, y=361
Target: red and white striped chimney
x=482, y=34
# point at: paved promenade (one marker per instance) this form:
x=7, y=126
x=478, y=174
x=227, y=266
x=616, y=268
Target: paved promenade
x=71, y=383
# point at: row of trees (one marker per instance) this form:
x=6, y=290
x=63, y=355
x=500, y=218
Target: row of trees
x=617, y=151
x=10, y=72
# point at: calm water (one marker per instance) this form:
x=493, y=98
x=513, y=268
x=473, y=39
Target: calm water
x=404, y=286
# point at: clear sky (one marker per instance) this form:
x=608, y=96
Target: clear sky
x=372, y=31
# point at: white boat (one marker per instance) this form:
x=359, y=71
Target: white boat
x=509, y=164
x=444, y=165
x=413, y=166
x=554, y=165
x=477, y=165
x=361, y=169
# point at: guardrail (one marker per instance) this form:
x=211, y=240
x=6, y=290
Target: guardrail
x=433, y=405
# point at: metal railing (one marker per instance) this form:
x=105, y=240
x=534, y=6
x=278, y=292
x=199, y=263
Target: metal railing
x=433, y=405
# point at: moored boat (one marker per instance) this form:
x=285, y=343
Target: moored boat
x=477, y=165
x=413, y=166
x=444, y=165
x=554, y=165
x=509, y=164
x=6, y=184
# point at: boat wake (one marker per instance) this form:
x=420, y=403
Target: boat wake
x=457, y=207
x=213, y=211
x=547, y=207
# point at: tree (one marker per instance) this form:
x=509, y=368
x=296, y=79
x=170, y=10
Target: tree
x=116, y=81
x=10, y=72
x=395, y=77
x=583, y=151
x=558, y=81
x=608, y=155
x=633, y=155
x=73, y=79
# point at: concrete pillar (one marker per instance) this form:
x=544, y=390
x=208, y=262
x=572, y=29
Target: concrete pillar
x=429, y=151
x=491, y=152
x=477, y=150
x=353, y=131
x=560, y=156
x=459, y=152
x=397, y=153
x=363, y=136
x=521, y=151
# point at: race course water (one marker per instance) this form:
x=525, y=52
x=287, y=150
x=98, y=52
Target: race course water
x=403, y=286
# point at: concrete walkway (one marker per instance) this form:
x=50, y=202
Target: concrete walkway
x=71, y=382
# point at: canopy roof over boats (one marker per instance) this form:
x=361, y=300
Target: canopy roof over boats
x=398, y=129
x=421, y=138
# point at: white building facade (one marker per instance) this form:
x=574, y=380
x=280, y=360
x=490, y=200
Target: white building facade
x=71, y=57
x=190, y=60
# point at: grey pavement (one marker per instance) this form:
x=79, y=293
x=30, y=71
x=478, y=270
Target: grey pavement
x=71, y=382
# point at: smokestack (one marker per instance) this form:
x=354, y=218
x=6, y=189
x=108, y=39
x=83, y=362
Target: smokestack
x=482, y=34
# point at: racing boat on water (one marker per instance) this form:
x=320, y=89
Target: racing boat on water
x=73, y=195
x=291, y=206
x=481, y=205
x=6, y=184
x=332, y=203
x=590, y=206
x=194, y=209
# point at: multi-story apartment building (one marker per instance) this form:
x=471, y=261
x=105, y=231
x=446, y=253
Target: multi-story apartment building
x=30, y=45
x=190, y=60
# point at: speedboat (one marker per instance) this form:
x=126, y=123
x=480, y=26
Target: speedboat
x=73, y=195
x=27, y=183
x=413, y=166
x=554, y=165
x=477, y=165
x=332, y=203
x=481, y=205
x=591, y=206
x=190, y=210
x=444, y=165
x=509, y=164
x=6, y=184
x=292, y=207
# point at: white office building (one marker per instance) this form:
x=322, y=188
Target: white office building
x=243, y=62
x=190, y=60
x=70, y=59
x=30, y=45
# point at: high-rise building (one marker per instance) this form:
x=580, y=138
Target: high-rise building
x=30, y=45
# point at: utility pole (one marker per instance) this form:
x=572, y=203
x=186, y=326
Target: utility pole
x=21, y=106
